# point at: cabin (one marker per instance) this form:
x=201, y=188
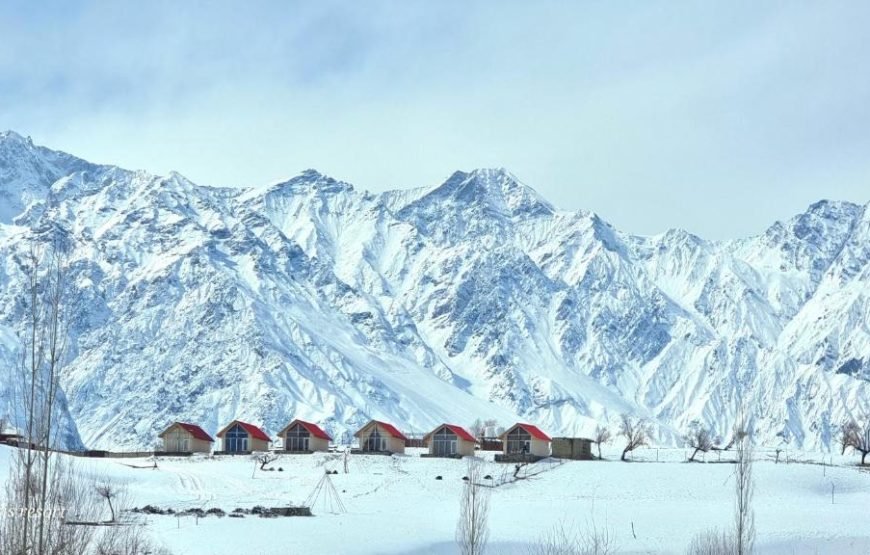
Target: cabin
x=524, y=442
x=575, y=448
x=241, y=437
x=304, y=437
x=449, y=440
x=183, y=437
x=380, y=437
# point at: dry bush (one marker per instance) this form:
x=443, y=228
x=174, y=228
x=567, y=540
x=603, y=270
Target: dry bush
x=564, y=541
x=126, y=540
x=712, y=542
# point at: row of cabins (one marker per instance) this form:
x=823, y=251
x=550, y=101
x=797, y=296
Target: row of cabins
x=519, y=442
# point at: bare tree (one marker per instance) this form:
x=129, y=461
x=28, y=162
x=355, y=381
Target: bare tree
x=602, y=435
x=472, y=530
x=737, y=434
x=856, y=437
x=477, y=428
x=744, y=516
x=712, y=542
x=39, y=485
x=69, y=499
x=265, y=459
x=563, y=541
x=112, y=493
x=636, y=431
x=700, y=439
x=50, y=506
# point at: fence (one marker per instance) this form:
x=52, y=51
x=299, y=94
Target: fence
x=97, y=454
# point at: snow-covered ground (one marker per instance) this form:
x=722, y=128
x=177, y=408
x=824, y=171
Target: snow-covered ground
x=395, y=504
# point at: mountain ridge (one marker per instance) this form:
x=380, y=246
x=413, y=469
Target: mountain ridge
x=474, y=298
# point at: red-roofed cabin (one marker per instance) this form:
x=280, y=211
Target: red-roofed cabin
x=182, y=437
x=304, y=437
x=241, y=437
x=525, y=439
x=449, y=440
x=380, y=437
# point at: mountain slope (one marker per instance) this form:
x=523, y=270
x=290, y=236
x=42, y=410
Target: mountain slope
x=476, y=298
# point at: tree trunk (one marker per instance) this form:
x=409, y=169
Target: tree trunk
x=624, y=452
x=599, y=451
x=692, y=458
x=863, y=456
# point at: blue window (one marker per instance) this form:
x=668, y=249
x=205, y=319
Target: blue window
x=237, y=439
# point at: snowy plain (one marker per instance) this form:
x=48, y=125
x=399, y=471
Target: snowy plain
x=395, y=505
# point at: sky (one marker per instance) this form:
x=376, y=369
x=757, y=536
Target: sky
x=719, y=118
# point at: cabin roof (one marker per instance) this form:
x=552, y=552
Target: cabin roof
x=192, y=429
x=458, y=430
x=312, y=428
x=389, y=428
x=252, y=430
x=531, y=429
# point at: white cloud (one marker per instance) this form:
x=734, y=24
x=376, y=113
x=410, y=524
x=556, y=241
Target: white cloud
x=716, y=120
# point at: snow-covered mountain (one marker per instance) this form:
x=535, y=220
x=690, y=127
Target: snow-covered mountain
x=475, y=298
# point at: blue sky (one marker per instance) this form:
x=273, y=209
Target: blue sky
x=717, y=119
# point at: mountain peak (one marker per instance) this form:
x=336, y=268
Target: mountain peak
x=832, y=208
x=12, y=136
x=312, y=181
x=496, y=188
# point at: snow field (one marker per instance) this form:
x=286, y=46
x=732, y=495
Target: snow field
x=395, y=505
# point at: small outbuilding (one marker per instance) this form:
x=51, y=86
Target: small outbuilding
x=241, y=437
x=576, y=448
x=183, y=437
x=524, y=442
x=380, y=437
x=304, y=437
x=449, y=440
